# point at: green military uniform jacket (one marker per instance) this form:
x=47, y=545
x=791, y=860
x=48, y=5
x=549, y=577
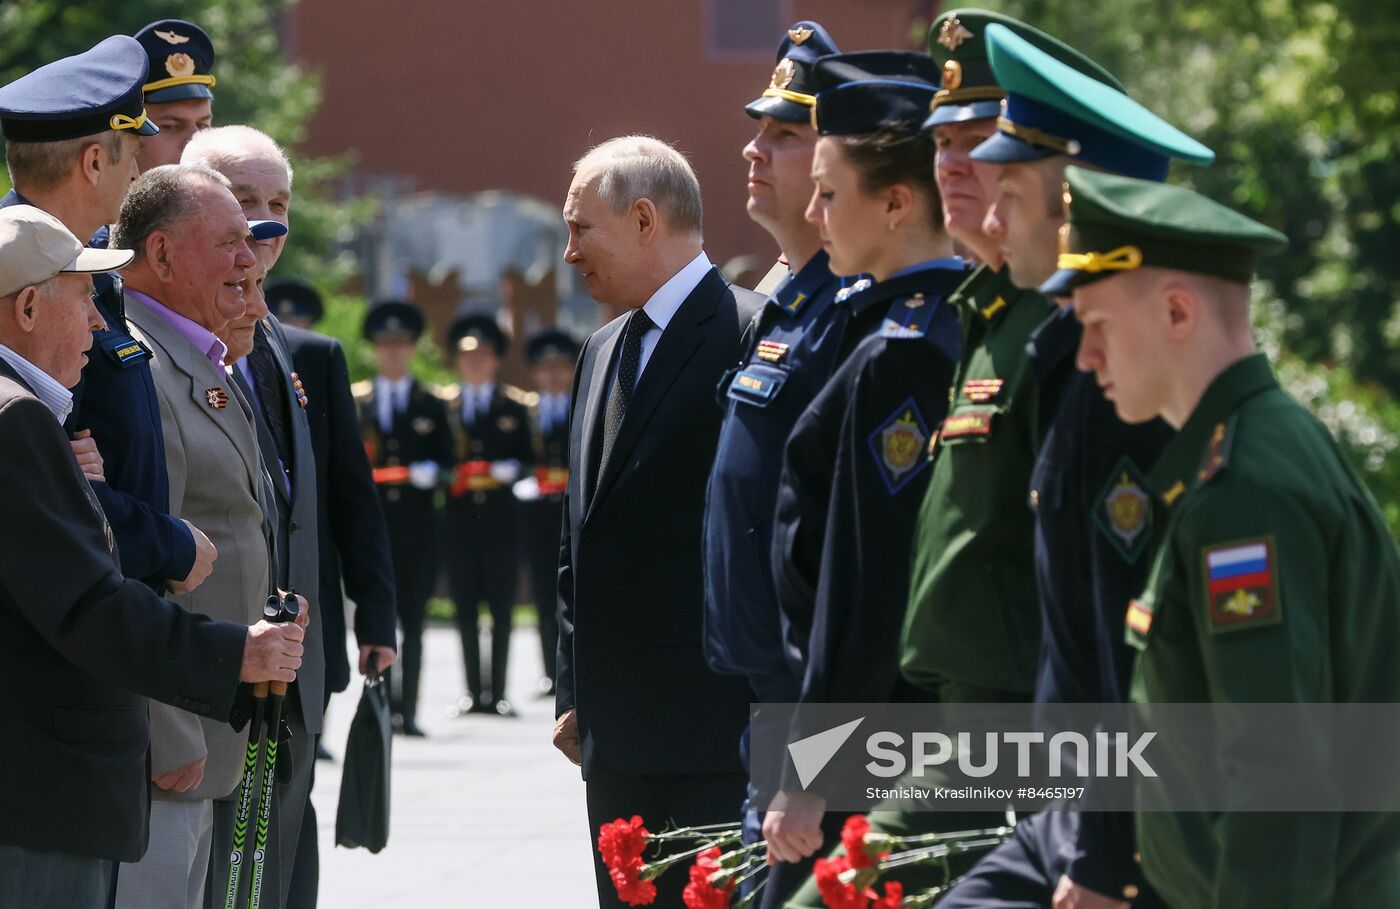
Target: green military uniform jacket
x=972, y=628
x=1276, y=581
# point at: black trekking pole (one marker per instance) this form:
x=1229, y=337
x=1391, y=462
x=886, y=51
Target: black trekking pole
x=278, y=612
x=239, y=855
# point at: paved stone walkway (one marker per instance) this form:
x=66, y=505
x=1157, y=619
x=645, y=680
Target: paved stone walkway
x=486, y=814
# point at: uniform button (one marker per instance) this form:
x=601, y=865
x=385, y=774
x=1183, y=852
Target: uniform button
x=1130, y=892
x=1035, y=498
x=393, y=495
x=292, y=526
x=392, y=445
x=1137, y=857
x=392, y=462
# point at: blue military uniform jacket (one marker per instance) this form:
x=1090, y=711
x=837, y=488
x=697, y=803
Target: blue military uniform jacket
x=116, y=400
x=789, y=358
x=853, y=478
x=1093, y=539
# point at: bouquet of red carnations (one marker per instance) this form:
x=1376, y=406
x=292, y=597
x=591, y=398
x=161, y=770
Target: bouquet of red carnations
x=721, y=864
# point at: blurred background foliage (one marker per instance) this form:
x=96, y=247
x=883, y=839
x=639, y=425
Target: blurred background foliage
x=1298, y=98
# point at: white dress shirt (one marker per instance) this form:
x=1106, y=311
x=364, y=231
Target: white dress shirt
x=476, y=400
x=390, y=397
x=662, y=306
x=46, y=388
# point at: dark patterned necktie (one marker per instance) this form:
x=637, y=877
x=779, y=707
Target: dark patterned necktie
x=272, y=392
x=620, y=395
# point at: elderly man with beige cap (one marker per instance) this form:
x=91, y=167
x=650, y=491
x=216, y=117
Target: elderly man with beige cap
x=81, y=644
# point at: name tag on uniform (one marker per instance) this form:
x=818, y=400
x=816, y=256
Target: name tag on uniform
x=757, y=384
x=975, y=423
x=124, y=351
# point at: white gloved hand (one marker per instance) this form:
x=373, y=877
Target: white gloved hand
x=505, y=471
x=527, y=490
x=423, y=474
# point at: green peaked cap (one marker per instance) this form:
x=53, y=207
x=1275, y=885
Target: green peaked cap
x=1053, y=109
x=1118, y=224
x=957, y=42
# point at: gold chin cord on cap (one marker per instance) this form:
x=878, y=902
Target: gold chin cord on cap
x=1124, y=258
x=122, y=121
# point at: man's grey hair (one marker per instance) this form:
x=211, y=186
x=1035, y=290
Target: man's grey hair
x=225, y=145
x=159, y=199
x=40, y=166
x=641, y=167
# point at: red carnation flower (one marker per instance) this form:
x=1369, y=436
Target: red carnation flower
x=834, y=893
x=631, y=889
x=894, y=895
x=700, y=893
x=622, y=840
x=853, y=834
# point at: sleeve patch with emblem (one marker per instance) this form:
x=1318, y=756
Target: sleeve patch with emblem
x=898, y=446
x=1241, y=585
x=1124, y=512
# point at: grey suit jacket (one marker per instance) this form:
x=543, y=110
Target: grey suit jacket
x=218, y=484
x=297, y=563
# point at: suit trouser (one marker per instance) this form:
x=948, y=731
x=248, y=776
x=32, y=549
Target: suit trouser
x=306, y=870
x=52, y=880
x=413, y=535
x=543, y=525
x=172, y=873
x=289, y=802
x=481, y=565
x=682, y=801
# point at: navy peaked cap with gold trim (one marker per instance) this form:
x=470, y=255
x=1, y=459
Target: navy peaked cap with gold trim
x=181, y=57
x=870, y=90
x=82, y=95
x=393, y=320
x=792, y=89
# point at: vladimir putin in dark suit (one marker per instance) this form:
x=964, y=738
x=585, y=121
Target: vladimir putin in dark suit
x=652, y=726
x=80, y=644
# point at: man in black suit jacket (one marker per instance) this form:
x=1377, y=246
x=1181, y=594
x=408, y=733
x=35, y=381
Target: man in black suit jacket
x=81, y=645
x=354, y=538
x=653, y=728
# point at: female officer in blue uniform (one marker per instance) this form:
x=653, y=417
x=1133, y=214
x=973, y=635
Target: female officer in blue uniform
x=855, y=470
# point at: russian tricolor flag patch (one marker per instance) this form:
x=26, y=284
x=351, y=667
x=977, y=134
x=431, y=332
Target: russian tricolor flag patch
x=1241, y=584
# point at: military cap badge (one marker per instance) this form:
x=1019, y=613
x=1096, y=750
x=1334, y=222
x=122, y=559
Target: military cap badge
x=953, y=33
x=799, y=35
x=783, y=73
x=172, y=37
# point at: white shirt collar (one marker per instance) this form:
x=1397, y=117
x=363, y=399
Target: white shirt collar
x=662, y=306
x=54, y=396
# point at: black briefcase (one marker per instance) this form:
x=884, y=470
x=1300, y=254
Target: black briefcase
x=362, y=818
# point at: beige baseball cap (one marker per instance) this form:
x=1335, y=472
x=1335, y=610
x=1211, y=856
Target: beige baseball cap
x=35, y=246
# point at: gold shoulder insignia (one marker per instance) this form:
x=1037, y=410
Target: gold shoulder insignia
x=516, y=394
x=1217, y=454
x=362, y=389
x=800, y=35
x=450, y=394
x=953, y=33
x=172, y=38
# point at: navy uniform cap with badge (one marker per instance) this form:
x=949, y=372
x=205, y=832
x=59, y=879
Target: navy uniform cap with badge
x=181, y=60
x=492, y=445
x=90, y=94
x=858, y=448
x=790, y=355
x=294, y=300
x=1271, y=548
x=407, y=439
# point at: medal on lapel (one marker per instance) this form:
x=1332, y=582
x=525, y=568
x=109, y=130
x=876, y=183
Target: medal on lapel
x=216, y=397
x=301, y=392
